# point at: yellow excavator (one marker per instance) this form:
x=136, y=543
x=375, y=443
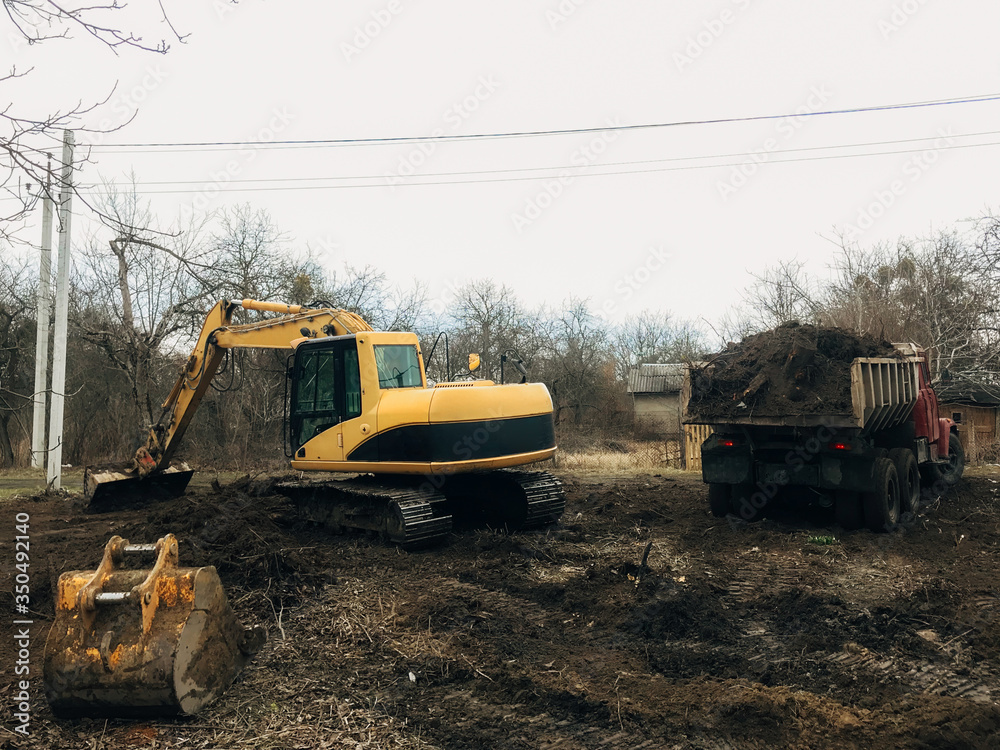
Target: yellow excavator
x=129, y=642
x=360, y=403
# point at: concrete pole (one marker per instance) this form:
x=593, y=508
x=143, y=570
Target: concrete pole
x=42, y=333
x=54, y=473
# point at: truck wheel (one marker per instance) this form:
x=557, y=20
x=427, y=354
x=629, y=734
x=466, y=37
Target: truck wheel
x=848, y=511
x=881, y=505
x=948, y=474
x=747, y=502
x=909, y=478
x=718, y=499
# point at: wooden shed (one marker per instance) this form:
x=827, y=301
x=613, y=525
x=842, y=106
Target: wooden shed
x=659, y=396
x=656, y=395
x=656, y=401
x=975, y=407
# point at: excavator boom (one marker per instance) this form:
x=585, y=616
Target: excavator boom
x=150, y=471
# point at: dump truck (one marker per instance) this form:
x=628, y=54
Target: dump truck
x=800, y=417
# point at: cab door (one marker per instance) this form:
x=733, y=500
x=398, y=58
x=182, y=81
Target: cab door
x=317, y=401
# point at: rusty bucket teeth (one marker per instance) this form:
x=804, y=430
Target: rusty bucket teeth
x=151, y=642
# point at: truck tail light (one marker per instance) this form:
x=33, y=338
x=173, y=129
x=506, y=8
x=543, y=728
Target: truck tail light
x=840, y=446
x=726, y=442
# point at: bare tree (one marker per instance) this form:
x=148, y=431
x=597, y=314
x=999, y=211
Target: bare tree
x=16, y=335
x=366, y=291
x=490, y=320
x=136, y=294
x=940, y=292
x=581, y=370
x=782, y=293
x=26, y=138
x=652, y=336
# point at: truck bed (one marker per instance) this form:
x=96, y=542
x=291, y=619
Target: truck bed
x=883, y=392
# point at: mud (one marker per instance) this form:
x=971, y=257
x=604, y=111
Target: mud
x=793, y=369
x=786, y=633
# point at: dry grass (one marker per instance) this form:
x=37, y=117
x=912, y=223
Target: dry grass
x=627, y=457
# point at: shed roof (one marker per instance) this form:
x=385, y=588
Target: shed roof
x=666, y=378
x=968, y=392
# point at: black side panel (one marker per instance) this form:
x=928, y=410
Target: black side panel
x=459, y=441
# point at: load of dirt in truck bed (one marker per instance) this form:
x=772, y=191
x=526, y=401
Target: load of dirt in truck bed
x=791, y=370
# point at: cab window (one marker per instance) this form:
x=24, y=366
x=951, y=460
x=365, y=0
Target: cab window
x=398, y=366
x=352, y=378
x=326, y=388
x=315, y=406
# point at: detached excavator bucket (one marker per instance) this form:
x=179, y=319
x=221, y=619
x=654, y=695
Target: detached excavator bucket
x=142, y=642
x=111, y=487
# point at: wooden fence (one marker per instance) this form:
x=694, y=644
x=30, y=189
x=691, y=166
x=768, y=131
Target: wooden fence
x=694, y=436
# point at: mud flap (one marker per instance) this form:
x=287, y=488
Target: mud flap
x=142, y=643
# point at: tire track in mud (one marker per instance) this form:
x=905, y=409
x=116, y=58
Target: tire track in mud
x=932, y=676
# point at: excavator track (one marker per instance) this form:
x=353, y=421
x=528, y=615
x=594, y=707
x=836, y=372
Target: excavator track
x=545, y=498
x=506, y=499
x=412, y=517
x=408, y=512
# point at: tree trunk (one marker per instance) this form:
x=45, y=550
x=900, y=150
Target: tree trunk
x=6, y=446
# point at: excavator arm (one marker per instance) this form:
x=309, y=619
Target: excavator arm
x=218, y=334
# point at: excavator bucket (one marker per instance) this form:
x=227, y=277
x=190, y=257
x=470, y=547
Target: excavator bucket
x=112, y=487
x=151, y=642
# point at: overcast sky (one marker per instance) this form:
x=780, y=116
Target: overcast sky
x=689, y=210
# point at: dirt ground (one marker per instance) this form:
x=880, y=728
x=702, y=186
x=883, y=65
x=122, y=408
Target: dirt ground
x=786, y=633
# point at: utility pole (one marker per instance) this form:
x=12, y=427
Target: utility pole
x=42, y=333
x=54, y=473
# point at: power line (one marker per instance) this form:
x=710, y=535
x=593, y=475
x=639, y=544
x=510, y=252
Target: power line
x=579, y=166
x=223, y=187
x=333, y=142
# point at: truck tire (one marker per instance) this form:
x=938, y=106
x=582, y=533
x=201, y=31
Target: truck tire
x=718, y=499
x=881, y=504
x=948, y=474
x=747, y=502
x=847, y=510
x=909, y=479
